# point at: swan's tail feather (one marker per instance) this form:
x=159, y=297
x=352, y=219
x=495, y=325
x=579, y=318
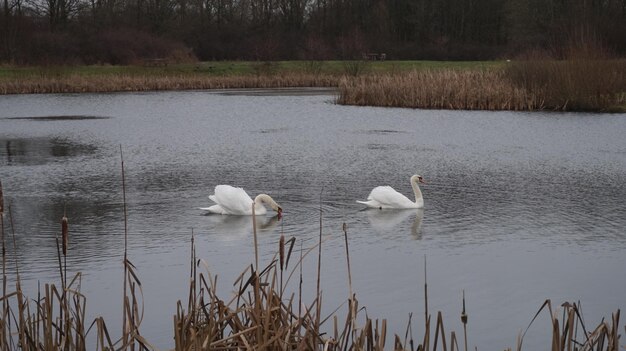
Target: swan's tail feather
x=213, y=198
x=213, y=209
x=370, y=203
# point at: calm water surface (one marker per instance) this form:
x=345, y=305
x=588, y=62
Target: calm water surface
x=519, y=207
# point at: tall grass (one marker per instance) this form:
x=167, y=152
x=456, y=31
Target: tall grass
x=573, y=84
x=563, y=85
x=258, y=317
x=583, y=77
x=438, y=89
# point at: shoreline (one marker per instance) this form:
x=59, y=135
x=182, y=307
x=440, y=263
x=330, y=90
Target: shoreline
x=105, y=84
x=479, y=86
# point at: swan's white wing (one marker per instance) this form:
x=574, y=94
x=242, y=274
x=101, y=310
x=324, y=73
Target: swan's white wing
x=232, y=200
x=214, y=209
x=388, y=197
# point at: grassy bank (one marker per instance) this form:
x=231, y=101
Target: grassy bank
x=238, y=68
x=206, y=75
x=525, y=85
x=113, y=83
x=266, y=312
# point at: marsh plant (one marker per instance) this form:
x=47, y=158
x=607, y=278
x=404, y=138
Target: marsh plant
x=525, y=85
x=266, y=312
x=576, y=84
x=356, y=68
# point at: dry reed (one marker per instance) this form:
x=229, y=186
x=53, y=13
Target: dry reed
x=438, y=89
x=257, y=317
x=573, y=85
x=576, y=84
x=565, y=335
x=6, y=327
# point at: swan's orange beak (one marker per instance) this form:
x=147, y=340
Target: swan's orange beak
x=280, y=213
x=421, y=180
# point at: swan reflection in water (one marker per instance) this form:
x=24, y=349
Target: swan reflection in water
x=239, y=227
x=386, y=221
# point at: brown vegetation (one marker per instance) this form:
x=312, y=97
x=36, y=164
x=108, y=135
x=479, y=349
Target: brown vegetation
x=437, y=89
x=112, y=83
x=259, y=317
x=583, y=77
x=563, y=85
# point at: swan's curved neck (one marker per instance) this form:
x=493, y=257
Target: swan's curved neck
x=264, y=198
x=416, y=189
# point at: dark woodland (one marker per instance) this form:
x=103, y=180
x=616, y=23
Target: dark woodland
x=126, y=32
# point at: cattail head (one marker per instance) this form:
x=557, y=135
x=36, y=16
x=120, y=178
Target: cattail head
x=64, y=234
x=281, y=251
x=463, y=314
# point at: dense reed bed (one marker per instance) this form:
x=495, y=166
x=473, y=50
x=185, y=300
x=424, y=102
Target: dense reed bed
x=577, y=84
x=265, y=313
x=526, y=85
x=440, y=89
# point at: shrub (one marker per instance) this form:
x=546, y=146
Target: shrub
x=128, y=46
x=582, y=76
x=578, y=84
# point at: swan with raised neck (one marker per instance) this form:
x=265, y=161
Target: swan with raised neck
x=383, y=197
x=419, y=199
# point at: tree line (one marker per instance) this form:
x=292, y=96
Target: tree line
x=129, y=31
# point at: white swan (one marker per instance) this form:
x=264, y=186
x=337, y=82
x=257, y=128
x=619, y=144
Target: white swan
x=235, y=201
x=387, y=197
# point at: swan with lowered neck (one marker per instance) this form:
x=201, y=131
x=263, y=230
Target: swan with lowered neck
x=235, y=201
x=387, y=197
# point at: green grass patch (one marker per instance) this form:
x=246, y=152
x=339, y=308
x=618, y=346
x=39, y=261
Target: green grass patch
x=237, y=68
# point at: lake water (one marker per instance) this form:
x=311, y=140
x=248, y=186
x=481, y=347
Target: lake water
x=519, y=207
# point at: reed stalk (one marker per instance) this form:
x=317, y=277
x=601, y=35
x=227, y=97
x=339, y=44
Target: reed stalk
x=18, y=282
x=464, y=321
x=281, y=256
x=125, y=288
x=351, y=297
x=256, y=281
x=132, y=312
x=426, y=315
x=5, y=304
x=319, y=267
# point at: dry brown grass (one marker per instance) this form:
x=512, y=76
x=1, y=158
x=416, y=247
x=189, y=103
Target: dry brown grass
x=572, y=85
x=570, y=333
x=258, y=317
x=576, y=84
x=114, y=83
x=438, y=89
